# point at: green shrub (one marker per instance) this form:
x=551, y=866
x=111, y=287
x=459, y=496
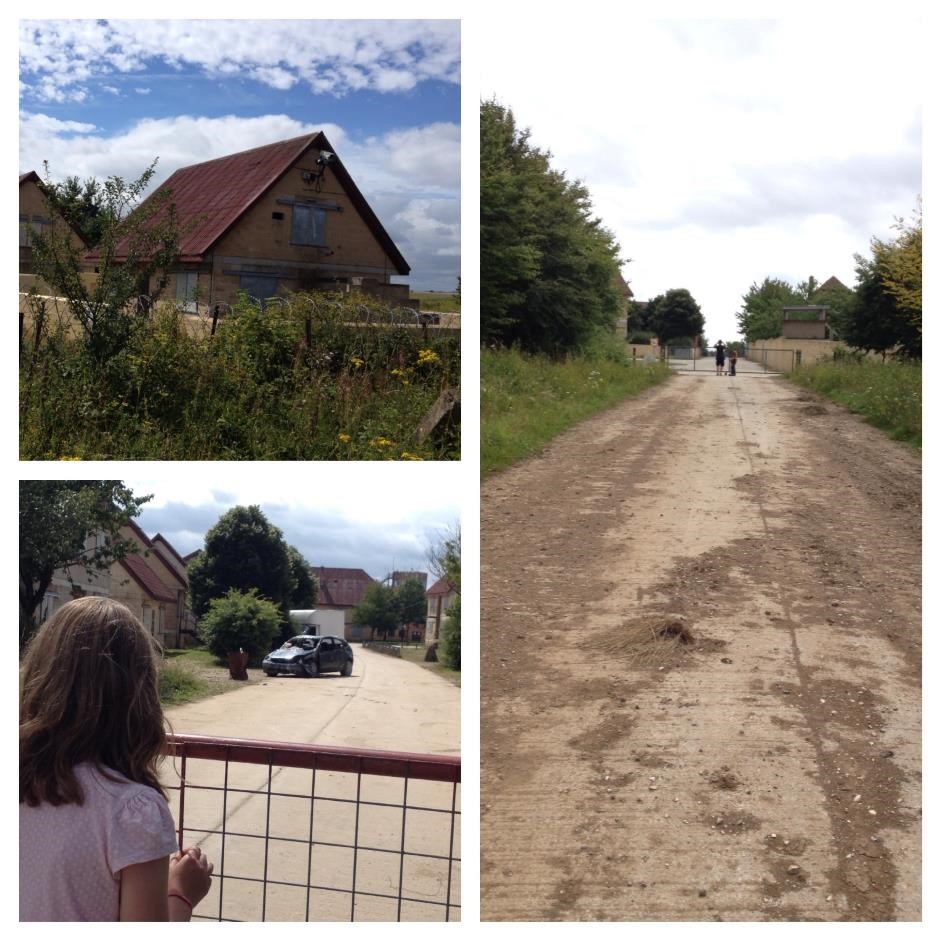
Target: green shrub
x=326, y=378
x=240, y=620
x=451, y=637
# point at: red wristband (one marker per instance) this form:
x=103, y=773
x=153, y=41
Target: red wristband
x=179, y=895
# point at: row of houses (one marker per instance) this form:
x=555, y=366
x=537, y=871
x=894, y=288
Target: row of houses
x=282, y=217
x=153, y=583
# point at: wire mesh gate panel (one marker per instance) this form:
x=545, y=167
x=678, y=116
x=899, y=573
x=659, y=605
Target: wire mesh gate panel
x=313, y=833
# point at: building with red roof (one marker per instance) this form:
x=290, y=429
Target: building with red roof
x=282, y=217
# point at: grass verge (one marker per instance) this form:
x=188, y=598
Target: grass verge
x=417, y=655
x=193, y=674
x=887, y=395
x=525, y=401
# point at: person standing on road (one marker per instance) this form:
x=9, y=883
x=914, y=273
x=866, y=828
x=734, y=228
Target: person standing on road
x=97, y=841
x=733, y=359
x=720, y=358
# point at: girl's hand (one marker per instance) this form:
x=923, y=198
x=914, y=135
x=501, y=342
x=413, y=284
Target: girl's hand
x=190, y=874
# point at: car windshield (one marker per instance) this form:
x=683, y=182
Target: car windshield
x=305, y=643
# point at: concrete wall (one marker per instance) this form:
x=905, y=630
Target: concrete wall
x=778, y=355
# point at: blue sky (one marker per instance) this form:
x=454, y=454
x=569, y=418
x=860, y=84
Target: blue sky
x=104, y=97
x=347, y=520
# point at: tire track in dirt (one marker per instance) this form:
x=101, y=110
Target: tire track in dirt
x=770, y=769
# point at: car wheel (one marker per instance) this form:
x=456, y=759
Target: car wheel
x=347, y=668
x=270, y=673
x=311, y=668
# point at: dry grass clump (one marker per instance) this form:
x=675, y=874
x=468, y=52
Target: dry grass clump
x=649, y=641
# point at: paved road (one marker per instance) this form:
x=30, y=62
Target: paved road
x=386, y=704
x=770, y=768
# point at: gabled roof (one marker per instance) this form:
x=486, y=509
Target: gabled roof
x=142, y=573
x=166, y=542
x=832, y=282
x=32, y=176
x=441, y=587
x=214, y=195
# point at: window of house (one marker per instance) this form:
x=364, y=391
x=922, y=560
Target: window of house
x=186, y=289
x=259, y=286
x=308, y=225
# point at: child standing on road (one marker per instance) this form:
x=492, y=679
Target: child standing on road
x=96, y=834
x=733, y=359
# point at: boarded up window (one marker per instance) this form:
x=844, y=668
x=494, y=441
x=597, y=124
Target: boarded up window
x=308, y=225
x=186, y=289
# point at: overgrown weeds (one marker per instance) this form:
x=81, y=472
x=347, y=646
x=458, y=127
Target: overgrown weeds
x=888, y=395
x=527, y=400
x=317, y=379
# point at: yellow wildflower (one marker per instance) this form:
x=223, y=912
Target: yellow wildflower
x=408, y=456
x=356, y=361
x=345, y=438
x=64, y=458
x=382, y=443
x=427, y=357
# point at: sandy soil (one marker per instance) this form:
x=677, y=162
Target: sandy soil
x=700, y=675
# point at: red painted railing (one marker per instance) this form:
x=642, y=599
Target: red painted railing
x=315, y=833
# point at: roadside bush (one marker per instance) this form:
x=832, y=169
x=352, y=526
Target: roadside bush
x=887, y=395
x=320, y=378
x=451, y=637
x=240, y=620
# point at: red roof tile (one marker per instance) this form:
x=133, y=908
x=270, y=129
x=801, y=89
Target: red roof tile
x=441, y=587
x=141, y=572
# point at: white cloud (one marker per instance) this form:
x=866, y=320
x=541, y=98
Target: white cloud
x=142, y=91
x=410, y=177
x=713, y=149
x=332, y=56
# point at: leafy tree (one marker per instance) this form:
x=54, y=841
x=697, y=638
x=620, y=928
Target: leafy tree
x=548, y=268
x=137, y=240
x=761, y=315
x=411, y=603
x=444, y=558
x=886, y=314
x=243, y=551
x=82, y=205
x=240, y=620
x=675, y=314
x=378, y=609
x=839, y=299
x=56, y=518
x=451, y=637
x=304, y=593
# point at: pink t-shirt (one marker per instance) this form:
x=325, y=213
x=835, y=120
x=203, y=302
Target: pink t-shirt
x=71, y=857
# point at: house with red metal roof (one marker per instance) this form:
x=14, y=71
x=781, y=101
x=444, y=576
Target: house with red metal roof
x=274, y=219
x=341, y=589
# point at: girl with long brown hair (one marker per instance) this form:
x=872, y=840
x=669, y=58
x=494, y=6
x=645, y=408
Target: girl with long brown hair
x=97, y=841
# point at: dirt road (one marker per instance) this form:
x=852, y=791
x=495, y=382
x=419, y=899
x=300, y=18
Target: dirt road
x=387, y=704
x=768, y=768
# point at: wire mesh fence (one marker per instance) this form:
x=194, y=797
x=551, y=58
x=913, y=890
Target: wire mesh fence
x=313, y=833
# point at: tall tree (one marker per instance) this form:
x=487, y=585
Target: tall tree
x=378, y=609
x=82, y=204
x=243, y=551
x=304, y=592
x=411, y=603
x=676, y=314
x=56, y=519
x=887, y=313
x=548, y=267
x=761, y=315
